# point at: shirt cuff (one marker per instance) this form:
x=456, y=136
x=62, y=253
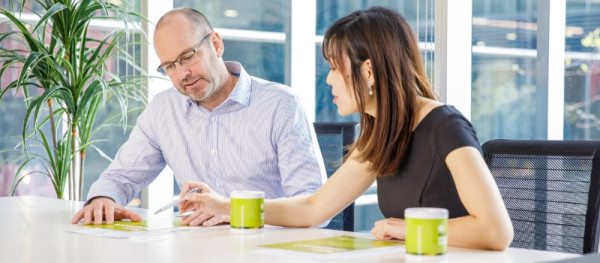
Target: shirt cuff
x=91, y=199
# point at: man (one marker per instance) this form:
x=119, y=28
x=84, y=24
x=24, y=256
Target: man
x=220, y=126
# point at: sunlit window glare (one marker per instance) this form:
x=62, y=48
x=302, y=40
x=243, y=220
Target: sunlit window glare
x=230, y=13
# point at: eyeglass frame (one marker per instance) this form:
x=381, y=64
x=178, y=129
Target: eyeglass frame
x=161, y=69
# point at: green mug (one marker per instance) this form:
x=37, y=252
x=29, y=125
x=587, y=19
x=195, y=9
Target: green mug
x=247, y=211
x=426, y=232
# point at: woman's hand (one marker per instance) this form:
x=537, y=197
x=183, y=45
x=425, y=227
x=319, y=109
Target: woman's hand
x=210, y=208
x=390, y=228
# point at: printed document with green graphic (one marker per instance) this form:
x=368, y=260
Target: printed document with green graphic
x=126, y=229
x=333, y=247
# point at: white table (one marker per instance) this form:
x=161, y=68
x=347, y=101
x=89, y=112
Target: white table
x=33, y=229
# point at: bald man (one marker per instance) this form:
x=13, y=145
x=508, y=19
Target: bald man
x=218, y=125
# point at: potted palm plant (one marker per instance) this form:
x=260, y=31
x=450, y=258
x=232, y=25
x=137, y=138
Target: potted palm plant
x=60, y=58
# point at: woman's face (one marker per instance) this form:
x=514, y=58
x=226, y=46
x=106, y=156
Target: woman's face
x=341, y=88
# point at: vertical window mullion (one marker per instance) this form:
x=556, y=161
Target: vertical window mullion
x=453, y=53
x=550, y=69
x=303, y=64
x=160, y=191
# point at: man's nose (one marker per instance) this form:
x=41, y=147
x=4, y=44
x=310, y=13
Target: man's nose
x=182, y=71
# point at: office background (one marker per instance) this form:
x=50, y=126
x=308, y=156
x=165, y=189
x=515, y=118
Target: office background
x=506, y=100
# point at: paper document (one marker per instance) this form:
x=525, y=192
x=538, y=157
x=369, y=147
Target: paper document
x=333, y=248
x=126, y=229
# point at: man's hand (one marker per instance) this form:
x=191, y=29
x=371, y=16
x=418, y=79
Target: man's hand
x=103, y=208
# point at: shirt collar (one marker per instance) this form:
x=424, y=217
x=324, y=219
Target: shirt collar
x=241, y=91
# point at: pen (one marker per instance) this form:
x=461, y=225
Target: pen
x=185, y=214
x=177, y=200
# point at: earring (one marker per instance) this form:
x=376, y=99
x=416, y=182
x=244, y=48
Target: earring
x=370, y=88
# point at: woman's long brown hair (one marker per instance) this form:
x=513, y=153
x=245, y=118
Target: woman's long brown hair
x=384, y=37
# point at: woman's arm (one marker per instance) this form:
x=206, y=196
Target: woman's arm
x=488, y=224
x=345, y=185
x=342, y=188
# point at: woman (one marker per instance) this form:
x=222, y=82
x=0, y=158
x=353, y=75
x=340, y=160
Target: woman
x=421, y=152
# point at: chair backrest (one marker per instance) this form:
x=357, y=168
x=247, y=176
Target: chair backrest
x=333, y=137
x=551, y=190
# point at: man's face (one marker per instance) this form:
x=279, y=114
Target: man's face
x=173, y=41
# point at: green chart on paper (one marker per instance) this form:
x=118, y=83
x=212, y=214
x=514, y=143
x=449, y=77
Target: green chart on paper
x=144, y=225
x=126, y=229
x=333, y=245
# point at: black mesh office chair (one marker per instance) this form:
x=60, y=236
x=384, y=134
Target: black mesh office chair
x=333, y=137
x=551, y=191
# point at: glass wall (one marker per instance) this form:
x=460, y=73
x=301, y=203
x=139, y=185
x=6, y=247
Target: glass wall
x=257, y=15
x=582, y=71
x=504, y=92
x=503, y=69
x=328, y=11
x=261, y=57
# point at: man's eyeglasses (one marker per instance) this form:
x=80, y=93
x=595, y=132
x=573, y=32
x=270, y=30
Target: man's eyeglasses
x=185, y=59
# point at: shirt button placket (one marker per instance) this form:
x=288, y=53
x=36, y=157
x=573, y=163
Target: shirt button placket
x=214, y=156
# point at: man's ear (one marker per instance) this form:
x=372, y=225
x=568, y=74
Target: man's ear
x=217, y=42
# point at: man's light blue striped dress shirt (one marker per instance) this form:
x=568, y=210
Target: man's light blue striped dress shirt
x=257, y=139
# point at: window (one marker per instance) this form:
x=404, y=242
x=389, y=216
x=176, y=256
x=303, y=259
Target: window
x=503, y=69
x=330, y=11
x=504, y=77
x=254, y=33
x=582, y=71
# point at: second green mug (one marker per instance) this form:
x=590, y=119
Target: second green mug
x=426, y=232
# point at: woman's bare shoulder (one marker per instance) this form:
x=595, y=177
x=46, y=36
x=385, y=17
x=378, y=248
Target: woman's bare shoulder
x=425, y=106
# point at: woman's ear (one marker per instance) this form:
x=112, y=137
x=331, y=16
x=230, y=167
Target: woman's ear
x=367, y=71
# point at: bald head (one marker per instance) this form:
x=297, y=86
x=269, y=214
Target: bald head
x=197, y=19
